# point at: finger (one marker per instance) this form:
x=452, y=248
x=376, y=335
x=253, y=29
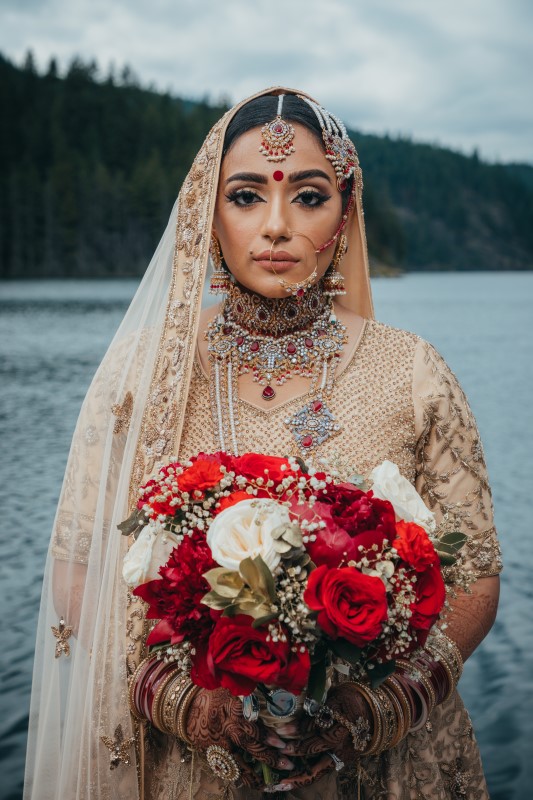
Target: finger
x=249, y=775
x=285, y=763
x=274, y=740
x=260, y=752
x=312, y=746
x=313, y=773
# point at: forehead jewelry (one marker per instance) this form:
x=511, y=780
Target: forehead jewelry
x=299, y=288
x=277, y=137
x=278, y=175
x=340, y=150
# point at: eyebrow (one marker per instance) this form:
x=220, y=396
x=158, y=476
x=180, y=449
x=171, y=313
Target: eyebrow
x=294, y=177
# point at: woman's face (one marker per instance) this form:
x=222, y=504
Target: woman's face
x=259, y=202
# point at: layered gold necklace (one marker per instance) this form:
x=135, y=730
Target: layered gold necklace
x=275, y=340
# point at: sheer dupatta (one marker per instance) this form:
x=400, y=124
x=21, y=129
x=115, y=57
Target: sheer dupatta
x=83, y=743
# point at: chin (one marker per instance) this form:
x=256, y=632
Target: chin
x=267, y=287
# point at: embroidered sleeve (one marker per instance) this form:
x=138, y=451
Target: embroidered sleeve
x=451, y=475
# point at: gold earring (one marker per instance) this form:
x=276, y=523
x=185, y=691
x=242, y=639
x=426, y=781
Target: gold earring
x=220, y=280
x=333, y=280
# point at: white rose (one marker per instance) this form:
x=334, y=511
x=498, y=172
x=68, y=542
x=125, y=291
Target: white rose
x=389, y=484
x=245, y=531
x=137, y=560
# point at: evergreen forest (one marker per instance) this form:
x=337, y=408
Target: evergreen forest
x=90, y=167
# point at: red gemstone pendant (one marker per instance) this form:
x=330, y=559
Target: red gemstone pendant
x=268, y=393
x=307, y=441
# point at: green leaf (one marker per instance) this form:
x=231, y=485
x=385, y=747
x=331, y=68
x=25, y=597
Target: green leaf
x=258, y=577
x=316, y=685
x=380, y=673
x=136, y=520
x=347, y=651
x=447, y=560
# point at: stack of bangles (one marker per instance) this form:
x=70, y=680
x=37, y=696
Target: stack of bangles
x=405, y=700
x=162, y=694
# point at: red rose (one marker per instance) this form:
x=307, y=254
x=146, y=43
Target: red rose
x=430, y=598
x=253, y=465
x=202, y=475
x=350, y=604
x=175, y=598
x=332, y=545
x=240, y=657
x=357, y=511
x=414, y=546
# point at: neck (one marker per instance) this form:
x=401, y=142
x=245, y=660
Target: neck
x=275, y=317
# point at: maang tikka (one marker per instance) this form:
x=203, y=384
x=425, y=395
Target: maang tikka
x=220, y=279
x=277, y=137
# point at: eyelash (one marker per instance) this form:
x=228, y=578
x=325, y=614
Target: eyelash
x=240, y=194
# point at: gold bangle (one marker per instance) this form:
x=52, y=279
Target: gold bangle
x=183, y=713
x=167, y=717
x=446, y=650
x=398, y=711
x=377, y=729
x=397, y=689
x=416, y=673
x=159, y=697
x=179, y=695
x=390, y=721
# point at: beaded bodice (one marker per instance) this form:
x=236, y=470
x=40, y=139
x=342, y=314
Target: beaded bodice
x=395, y=399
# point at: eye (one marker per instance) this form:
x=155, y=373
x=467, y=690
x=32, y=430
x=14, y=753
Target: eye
x=244, y=197
x=311, y=198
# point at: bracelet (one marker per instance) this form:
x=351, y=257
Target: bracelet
x=359, y=731
x=170, y=705
x=134, y=687
x=159, y=697
x=405, y=700
x=401, y=728
x=377, y=729
x=181, y=727
x=390, y=722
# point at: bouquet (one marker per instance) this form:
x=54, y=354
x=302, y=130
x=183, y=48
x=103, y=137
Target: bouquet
x=264, y=573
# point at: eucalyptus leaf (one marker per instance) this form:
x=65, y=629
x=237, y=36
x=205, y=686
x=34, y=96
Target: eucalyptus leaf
x=258, y=577
x=447, y=560
x=136, y=520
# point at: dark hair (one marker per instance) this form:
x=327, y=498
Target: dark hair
x=263, y=109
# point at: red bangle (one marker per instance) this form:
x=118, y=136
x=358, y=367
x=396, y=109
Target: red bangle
x=154, y=686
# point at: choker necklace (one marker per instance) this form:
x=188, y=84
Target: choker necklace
x=275, y=340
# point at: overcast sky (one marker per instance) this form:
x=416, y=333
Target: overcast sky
x=456, y=72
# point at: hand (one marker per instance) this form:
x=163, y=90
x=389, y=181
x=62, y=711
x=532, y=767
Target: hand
x=314, y=742
x=215, y=717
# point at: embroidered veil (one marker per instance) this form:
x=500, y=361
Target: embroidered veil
x=132, y=418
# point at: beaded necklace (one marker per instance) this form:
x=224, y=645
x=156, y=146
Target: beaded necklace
x=275, y=340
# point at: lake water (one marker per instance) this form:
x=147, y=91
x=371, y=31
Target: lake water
x=52, y=336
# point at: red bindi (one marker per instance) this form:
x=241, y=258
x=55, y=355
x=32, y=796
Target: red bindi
x=278, y=175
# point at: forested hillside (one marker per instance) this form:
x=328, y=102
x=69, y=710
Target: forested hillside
x=89, y=169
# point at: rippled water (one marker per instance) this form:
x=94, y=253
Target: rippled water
x=52, y=336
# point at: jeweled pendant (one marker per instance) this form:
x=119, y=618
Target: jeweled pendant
x=313, y=425
x=268, y=393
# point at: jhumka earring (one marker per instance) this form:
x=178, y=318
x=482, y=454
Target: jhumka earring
x=333, y=280
x=277, y=137
x=220, y=280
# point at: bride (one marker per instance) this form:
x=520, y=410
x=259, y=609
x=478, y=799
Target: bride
x=274, y=200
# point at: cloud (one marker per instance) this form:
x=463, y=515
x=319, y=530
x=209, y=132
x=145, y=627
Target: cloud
x=457, y=72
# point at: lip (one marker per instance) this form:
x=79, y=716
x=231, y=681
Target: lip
x=281, y=258
x=278, y=255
